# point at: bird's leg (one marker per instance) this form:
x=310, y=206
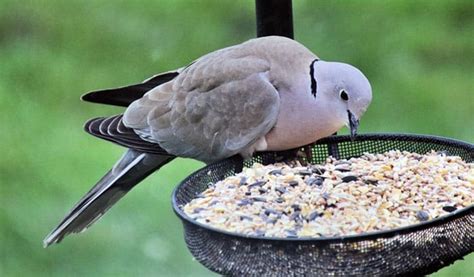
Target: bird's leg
x=304, y=155
x=308, y=152
x=287, y=155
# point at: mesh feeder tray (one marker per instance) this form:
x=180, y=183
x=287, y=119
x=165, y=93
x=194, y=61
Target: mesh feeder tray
x=413, y=250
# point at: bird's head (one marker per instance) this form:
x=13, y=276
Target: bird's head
x=344, y=89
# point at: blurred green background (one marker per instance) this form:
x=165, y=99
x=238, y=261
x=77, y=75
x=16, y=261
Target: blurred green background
x=418, y=55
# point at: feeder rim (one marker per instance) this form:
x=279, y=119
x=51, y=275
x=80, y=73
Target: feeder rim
x=344, y=238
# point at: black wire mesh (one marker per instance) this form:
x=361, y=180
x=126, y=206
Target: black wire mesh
x=414, y=250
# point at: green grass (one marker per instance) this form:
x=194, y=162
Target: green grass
x=418, y=56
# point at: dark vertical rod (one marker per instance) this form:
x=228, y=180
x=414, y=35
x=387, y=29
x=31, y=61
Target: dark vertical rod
x=274, y=17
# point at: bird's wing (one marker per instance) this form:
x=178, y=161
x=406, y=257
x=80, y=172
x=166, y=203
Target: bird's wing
x=217, y=107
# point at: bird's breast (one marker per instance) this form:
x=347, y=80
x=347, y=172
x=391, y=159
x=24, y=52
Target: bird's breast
x=300, y=121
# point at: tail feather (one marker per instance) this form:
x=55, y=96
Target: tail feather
x=124, y=96
x=133, y=167
x=112, y=129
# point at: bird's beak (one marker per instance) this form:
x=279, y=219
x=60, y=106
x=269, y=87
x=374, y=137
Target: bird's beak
x=353, y=124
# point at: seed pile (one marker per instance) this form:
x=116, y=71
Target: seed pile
x=340, y=197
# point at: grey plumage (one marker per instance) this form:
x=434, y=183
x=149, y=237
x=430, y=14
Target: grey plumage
x=269, y=93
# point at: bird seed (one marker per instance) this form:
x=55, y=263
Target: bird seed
x=370, y=193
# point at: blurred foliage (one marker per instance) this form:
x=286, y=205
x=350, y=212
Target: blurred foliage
x=417, y=54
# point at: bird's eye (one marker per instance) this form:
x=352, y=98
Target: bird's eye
x=344, y=95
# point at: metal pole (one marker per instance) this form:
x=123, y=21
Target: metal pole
x=274, y=17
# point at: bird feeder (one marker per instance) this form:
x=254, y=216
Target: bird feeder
x=413, y=250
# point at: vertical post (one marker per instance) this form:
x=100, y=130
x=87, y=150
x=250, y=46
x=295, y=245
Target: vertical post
x=274, y=17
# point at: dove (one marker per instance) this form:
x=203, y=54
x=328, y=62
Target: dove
x=265, y=94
